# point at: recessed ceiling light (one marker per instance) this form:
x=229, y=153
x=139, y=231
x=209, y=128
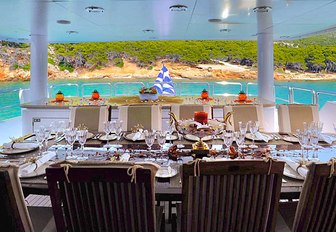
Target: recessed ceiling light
x=94, y=9
x=178, y=8
x=262, y=9
x=148, y=30
x=63, y=21
x=224, y=30
x=72, y=32
x=215, y=20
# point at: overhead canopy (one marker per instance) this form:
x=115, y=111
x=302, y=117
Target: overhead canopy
x=126, y=20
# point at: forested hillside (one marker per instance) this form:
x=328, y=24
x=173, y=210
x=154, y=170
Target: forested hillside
x=314, y=54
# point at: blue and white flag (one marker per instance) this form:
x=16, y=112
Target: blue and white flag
x=163, y=82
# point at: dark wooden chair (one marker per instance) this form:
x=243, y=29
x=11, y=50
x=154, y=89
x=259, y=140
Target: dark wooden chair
x=316, y=210
x=231, y=195
x=103, y=197
x=13, y=211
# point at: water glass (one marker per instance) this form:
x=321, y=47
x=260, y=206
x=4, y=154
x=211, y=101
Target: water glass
x=161, y=139
x=254, y=127
x=82, y=137
x=243, y=127
x=39, y=135
x=70, y=137
x=149, y=139
x=117, y=125
x=227, y=139
x=240, y=139
x=303, y=137
x=108, y=127
x=314, y=138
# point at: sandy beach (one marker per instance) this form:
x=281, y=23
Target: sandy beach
x=178, y=71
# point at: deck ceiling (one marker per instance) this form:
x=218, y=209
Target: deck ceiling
x=127, y=20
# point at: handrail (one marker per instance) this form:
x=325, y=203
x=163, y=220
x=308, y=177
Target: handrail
x=94, y=84
x=67, y=84
x=125, y=83
x=284, y=87
x=247, y=87
x=292, y=96
x=226, y=83
x=317, y=95
x=192, y=82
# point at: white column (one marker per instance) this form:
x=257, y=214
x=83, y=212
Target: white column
x=265, y=52
x=39, y=52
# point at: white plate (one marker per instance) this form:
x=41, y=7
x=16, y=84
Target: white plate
x=290, y=139
x=38, y=172
x=171, y=137
x=288, y=171
x=110, y=137
x=195, y=138
x=166, y=172
x=16, y=151
x=131, y=135
x=249, y=136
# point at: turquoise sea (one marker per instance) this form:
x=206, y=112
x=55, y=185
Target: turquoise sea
x=9, y=104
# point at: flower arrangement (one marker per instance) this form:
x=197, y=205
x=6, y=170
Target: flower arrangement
x=150, y=90
x=148, y=94
x=95, y=95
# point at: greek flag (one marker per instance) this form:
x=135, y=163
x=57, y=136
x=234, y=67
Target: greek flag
x=163, y=82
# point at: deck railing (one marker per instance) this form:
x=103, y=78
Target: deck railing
x=283, y=93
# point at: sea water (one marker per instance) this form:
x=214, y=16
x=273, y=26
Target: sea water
x=10, y=104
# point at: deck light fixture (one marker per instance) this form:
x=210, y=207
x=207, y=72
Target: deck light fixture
x=72, y=32
x=262, y=9
x=178, y=8
x=94, y=9
x=63, y=21
x=148, y=31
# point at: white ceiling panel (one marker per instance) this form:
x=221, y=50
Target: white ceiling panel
x=153, y=20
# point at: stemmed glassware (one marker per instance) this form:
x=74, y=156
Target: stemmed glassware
x=149, y=139
x=303, y=140
x=47, y=133
x=228, y=139
x=161, y=139
x=117, y=125
x=243, y=129
x=39, y=134
x=107, y=129
x=239, y=138
x=254, y=127
x=70, y=137
x=82, y=137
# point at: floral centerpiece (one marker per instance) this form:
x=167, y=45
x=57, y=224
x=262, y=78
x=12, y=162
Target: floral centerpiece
x=146, y=94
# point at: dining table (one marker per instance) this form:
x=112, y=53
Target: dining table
x=168, y=187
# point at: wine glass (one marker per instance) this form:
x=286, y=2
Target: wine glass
x=39, y=135
x=303, y=140
x=314, y=138
x=243, y=129
x=254, y=126
x=161, y=139
x=228, y=139
x=240, y=138
x=108, y=126
x=70, y=137
x=82, y=137
x=47, y=133
x=118, y=129
x=149, y=139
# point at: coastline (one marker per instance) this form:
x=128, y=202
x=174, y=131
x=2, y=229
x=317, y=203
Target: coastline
x=180, y=72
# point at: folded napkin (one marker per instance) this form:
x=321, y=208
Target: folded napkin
x=20, y=145
x=125, y=157
x=301, y=170
x=136, y=136
x=259, y=136
x=31, y=167
x=327, y=138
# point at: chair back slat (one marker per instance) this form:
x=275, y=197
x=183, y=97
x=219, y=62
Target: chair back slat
x=101, y=199
x=13, y=210
x=231, y=196
x=316, y=210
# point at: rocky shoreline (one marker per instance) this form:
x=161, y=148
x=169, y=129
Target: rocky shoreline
x=178, y=71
